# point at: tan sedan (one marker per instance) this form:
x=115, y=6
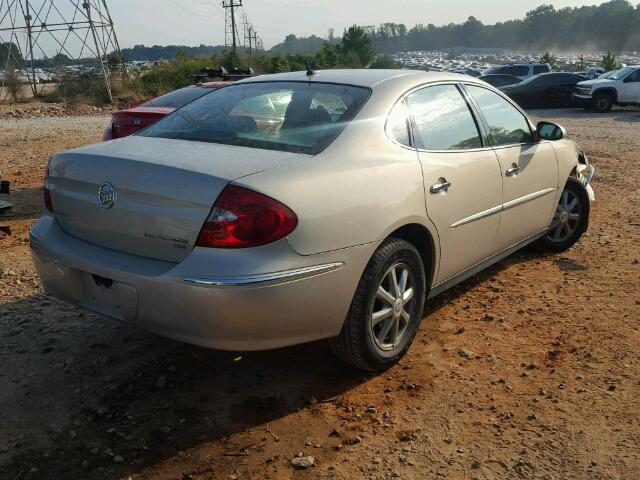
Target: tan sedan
x=303, y=206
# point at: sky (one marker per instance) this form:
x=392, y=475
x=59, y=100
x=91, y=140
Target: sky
x=195, y=22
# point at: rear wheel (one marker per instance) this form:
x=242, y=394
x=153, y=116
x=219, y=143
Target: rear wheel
x=602, y=102
x=570, y=219
x=386, y=309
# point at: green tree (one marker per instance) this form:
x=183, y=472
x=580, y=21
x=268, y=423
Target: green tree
x=550, y=59
x=610, y=62
x=355, y=40
x=581, y=63
x=327, y=57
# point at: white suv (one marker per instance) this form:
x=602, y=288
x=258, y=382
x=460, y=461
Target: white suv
x=619, y=87
x=520, y=70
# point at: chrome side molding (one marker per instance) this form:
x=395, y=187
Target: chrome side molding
x=263, y=280
x=503, y=207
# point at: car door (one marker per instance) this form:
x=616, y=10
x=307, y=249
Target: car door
x=537, y=93
x=529, y=168
x=630, y=89
x=461, y=174
x=563, y=86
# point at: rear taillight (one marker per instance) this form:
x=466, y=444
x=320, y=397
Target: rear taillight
x=242, y=218
x=48, y=204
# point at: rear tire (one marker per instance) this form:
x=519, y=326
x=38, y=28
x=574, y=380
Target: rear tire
x=570, y=219
x=385, y=313
x=602, y=102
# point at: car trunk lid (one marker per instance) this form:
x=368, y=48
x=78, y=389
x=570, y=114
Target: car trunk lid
x=163, y=191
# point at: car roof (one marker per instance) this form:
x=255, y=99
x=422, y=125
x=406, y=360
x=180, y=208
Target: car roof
x=499, y=75
x=358, y=77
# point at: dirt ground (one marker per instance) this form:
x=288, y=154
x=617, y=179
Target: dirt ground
x=550, y=388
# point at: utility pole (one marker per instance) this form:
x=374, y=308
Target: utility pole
x=250, y=37
x=33, y=81
x=230, y=23
x=255, y=40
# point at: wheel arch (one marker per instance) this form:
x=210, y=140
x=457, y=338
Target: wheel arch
x=609, y=91
x=425, y=242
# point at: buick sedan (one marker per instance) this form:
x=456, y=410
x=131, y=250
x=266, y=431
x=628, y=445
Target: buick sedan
x=296, y=207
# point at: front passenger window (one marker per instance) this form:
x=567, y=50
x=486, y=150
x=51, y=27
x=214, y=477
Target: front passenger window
x=507, y=125
x=635, y=77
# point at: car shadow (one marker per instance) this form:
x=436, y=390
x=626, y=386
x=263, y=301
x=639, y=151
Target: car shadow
x=27, y=204
x=99, y=392
x=95, y=389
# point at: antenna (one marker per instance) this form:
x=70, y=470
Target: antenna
x=37, y=35
x=310, y=71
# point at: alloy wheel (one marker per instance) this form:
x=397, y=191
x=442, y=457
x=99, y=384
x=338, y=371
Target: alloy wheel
x=393, y=307
x=566, y=218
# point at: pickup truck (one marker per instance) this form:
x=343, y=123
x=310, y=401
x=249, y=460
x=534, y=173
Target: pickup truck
x=618, y=87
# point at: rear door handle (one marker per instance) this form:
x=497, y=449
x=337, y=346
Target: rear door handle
x=442, y=185
x=513, y=171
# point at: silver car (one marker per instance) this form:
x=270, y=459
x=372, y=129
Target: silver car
x=304, y=206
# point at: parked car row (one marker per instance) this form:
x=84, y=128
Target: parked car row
x=564, y=89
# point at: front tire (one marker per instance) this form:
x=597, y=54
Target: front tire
x=386, y=309
x=570, y=219
x=602, y=102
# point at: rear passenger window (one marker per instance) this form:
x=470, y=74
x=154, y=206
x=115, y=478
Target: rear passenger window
x=507, y=125
x=540, y=69
x=516, y=71
x=443, y=119
x=398, y=124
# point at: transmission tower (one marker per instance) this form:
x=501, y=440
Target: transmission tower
x=75, y=36
x=231, y=36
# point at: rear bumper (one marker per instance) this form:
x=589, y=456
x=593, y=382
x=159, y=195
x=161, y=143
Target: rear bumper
x=265, y=298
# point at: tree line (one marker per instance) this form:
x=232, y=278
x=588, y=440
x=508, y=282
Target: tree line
x=613, y=25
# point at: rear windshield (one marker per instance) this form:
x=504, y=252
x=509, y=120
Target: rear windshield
x=178, y=98
x=302, y=117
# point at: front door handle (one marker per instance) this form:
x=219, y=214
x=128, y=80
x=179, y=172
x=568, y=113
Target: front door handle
x=513, y=171
x=442, y=185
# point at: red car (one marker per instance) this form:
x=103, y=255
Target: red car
x=131, y=120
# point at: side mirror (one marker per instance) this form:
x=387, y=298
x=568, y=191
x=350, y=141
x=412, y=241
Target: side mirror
x=550, y=131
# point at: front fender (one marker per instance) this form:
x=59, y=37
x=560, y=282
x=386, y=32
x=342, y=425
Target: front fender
x=573, y=162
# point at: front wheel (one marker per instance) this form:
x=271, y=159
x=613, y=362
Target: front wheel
x=386, y=309
x=570, y=219
x=602, y=102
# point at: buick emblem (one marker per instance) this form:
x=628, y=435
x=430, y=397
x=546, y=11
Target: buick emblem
x=107, y=195
x=137, y=120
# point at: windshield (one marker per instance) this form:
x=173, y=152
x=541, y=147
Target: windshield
x=617, y=74
x=302, y=117
x=178, y=98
